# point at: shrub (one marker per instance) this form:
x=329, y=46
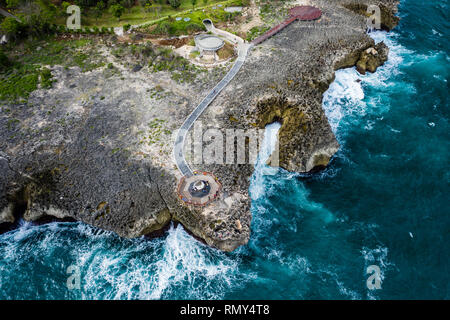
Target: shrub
x=193, y=27
x=117, y=10
x=163, y=28
x=4, y=61
x=126, y=27
x=12, y=27
x=64, y=6
x=46, y=78
x=174, y=3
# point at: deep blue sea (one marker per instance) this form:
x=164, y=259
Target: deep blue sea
x=383, y=201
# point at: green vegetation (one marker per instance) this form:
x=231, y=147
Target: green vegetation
x=69, y=53
x=226, y=51
x=148, y=11
x=36, y=18
x=19, y=82
x=126, y=27
x=46, y=78
x=39, y=16
x=175, y=3
x=158, y=59
x=165, y=60
x=117, y=10
x=26, y=61
x=12, y=27
x=156, y=130
x=194, y=54
x=4, y=61
x=271, y=10
x=25, y=67
x=256, y=32
x=191, y=22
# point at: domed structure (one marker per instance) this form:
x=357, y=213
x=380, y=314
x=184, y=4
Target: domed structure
x=208, y=44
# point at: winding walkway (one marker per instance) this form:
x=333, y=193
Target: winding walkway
x=180, y=161
x=304, y=13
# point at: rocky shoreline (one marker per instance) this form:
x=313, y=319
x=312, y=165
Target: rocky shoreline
x=97, y=148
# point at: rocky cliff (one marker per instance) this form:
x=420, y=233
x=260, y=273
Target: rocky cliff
x=97, y=146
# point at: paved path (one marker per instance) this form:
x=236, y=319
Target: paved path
x=180, y=161
x=296, y=13
x=227, y=35
x=7, y=14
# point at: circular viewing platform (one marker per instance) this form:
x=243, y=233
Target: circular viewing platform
x=199, y=189
x=208, y=43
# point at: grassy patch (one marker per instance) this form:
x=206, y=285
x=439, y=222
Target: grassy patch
x=46, y=78
x=226, y=51
x=190, y=22
x=19, y=82
x=139, y=15
x=68, y=53
x=156, y=131
x=256, y=32
x=166, y=60
x=27, y=63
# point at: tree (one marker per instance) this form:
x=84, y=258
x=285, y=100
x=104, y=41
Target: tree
x=147, y=7
x=97, y=14
x=194, y=3
x=127, y=4
x=37, y=17
x=117, y=10
x=98, y=11
x=174, y=3
x=11, y=27
x=101, y=5
x=12, y=3
x=64, y=6
x=205, y=2
x=4, y=61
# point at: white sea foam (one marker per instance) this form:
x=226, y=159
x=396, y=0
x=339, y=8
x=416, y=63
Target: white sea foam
x=258, y=187
x=377, y=256
x=345, y=103
x=176, y=266
x=178, y=261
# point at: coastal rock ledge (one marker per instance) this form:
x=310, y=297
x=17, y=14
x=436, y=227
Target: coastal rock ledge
x=90, y=158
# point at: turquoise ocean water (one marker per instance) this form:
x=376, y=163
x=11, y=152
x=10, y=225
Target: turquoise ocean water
x=384, y=201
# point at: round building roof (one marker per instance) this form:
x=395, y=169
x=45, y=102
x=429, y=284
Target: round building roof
x=209, y=42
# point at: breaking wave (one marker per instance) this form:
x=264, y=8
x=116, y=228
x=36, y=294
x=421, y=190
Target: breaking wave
x=380, y=203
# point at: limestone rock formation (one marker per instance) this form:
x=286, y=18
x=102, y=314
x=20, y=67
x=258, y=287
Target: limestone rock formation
x=372, y=58
x=97, y=147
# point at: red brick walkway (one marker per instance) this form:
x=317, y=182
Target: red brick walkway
x=302, y=13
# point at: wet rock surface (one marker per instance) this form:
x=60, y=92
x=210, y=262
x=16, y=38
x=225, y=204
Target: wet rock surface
x=372, y=58
x=97, y=147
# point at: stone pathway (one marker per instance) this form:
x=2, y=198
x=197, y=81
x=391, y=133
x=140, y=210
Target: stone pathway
x=297, y=13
